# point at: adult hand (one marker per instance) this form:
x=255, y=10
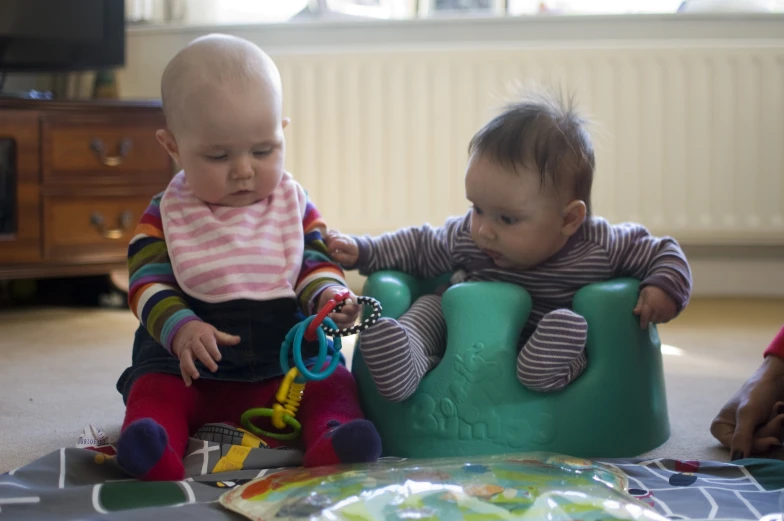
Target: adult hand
x=751, y=421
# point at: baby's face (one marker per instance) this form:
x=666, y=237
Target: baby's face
x=231, y=145
x=516, y=222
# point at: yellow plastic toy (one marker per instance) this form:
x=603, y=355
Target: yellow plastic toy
x=289, y=396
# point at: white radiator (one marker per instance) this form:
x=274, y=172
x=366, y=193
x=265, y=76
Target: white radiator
x=690, y=141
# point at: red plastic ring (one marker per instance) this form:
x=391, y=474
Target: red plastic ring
x=310, y=332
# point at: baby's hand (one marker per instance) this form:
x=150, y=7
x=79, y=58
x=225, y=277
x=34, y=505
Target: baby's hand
x=200, y=340
x=654, y=307
x=342, y=248
x=350, y=311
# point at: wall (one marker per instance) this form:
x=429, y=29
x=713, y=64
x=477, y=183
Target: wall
x=688, y=113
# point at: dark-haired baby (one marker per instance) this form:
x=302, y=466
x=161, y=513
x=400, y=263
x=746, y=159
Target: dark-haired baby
x=529, y=178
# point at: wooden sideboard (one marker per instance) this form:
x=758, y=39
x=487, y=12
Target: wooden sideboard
x=78, y=176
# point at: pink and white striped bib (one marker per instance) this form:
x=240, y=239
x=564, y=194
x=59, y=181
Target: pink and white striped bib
x=222, y=253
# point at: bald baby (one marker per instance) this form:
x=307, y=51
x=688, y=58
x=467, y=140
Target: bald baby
x=225, y=261
x=210, y=64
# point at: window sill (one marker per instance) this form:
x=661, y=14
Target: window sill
x=476, y=31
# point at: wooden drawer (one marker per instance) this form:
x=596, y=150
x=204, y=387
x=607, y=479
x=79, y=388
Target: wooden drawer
x=19, y=128
x=91, y=228
x=103, y=148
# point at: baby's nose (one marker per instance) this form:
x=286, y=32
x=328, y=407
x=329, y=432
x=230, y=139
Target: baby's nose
x=242, y=170
x=486, y=232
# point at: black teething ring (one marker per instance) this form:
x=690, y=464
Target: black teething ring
x=353, y=330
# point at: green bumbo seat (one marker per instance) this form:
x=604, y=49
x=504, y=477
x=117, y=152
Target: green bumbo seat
x=472, y=403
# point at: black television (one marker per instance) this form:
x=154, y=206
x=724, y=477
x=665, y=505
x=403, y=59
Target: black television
x=61, y=35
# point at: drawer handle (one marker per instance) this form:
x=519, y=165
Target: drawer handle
x=97, y=146
x=125, y=220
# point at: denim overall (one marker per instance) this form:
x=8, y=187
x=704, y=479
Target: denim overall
x=261, y=326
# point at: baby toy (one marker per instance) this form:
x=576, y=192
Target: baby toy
x=289, y=395
x=502, y=487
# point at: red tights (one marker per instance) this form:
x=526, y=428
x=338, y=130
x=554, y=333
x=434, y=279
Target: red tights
x=162, y=414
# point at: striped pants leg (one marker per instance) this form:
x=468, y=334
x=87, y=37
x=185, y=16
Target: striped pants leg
x=398, y=353
x=555, y=353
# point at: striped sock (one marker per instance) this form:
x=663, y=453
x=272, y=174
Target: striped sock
x=555, y=353
x=398, y=354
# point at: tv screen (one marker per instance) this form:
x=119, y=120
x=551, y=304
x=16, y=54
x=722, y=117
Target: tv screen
x=61, y=35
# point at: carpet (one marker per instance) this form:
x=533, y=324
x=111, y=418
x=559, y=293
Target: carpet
x=59, y=366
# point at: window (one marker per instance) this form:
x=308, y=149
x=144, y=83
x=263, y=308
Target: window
x=212, y=12
x=226, y=12
x=594, y=6
x=589, y=7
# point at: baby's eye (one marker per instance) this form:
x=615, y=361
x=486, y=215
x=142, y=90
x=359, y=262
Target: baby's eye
x=264, y=152
x=508, y=220
x=218, y=157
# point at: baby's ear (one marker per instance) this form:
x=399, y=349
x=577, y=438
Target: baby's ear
x=167, y=141
x=573, y=217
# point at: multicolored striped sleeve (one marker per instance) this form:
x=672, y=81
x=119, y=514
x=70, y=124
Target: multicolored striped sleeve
x=154, y=295
x=318, y=272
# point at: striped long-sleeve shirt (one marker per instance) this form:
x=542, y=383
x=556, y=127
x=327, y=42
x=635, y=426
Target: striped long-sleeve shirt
x=225, y=254
x=598, y=252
